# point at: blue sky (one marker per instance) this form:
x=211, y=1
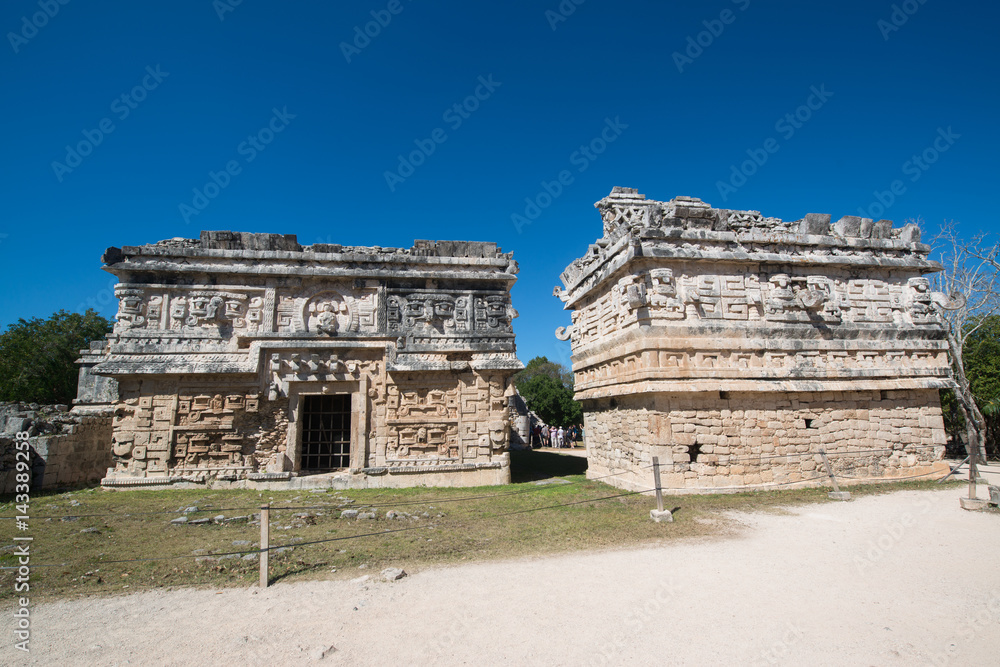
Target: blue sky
x=309, y=117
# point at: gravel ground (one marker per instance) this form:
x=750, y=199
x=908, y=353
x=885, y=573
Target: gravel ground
x=901, y=579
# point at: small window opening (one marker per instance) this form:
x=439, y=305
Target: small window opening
x=809, y=423
x=693, y=452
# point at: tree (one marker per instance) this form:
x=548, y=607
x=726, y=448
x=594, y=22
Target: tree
x=981, y=354
x=542, y=366
x=38, y=357
x=970, y=270
x=547, y=389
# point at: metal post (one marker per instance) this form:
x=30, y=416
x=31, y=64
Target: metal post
x=656, y=480
x=265, y=529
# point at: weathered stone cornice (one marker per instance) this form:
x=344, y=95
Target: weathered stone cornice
x=762, y=336
x=687, y=229
x=270, y=254
x=714, y=386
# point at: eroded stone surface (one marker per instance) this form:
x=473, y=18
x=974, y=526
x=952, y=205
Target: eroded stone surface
x=734, y=346
x=219, y=340
x=65, y=448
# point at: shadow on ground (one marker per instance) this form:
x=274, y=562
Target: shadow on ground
x=528, y=466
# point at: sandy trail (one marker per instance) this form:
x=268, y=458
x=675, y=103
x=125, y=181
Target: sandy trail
x=877, y=581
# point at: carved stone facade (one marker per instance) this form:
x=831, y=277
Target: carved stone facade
x=221, y=341
x=734, y=346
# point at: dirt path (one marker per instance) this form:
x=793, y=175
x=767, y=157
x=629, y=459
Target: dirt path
x=877, y=581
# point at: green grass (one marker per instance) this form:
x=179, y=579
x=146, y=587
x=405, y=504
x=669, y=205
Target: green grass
x=482, y=523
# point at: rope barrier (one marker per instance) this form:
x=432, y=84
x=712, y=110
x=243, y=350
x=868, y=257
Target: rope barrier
x=891, y=479
x=755, y=487
x=316, y=507
x=505, y=514
x=352, y=537
x=859, y=452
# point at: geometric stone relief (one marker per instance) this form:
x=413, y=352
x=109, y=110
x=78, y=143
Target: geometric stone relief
x=764, y=362
x=306, y=366
x=493, y=313
x=427, y=312
x=432, y=323
x=801, y=299
x=421, y=422
x=685, y=316
x=155, y=434
x=430, y=313
x=920, y=305
x=663, y=299
x=326, y=312
x=209, y=310
x=660, y=294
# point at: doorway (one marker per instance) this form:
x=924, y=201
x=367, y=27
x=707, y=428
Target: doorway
x=326, y=433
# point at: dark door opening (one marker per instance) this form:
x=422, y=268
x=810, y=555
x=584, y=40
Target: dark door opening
x=326, y=432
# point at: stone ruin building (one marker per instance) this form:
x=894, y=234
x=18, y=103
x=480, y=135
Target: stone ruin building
x=734, y=347
x=249, y=359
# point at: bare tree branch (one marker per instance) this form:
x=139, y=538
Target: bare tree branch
x=970, y=269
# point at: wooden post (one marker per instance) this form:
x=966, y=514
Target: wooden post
x=656, y=480
x=265, y=530
x=972, y=502
x=973, y=470
x=829, y=470
x=953, y=470
x=836, y=494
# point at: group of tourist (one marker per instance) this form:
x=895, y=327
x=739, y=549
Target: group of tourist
x=543, y=435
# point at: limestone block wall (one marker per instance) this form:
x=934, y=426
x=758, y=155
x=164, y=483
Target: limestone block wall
x=66, y=448
x=735, y=440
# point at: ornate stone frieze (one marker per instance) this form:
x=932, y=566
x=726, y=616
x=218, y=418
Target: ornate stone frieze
x=687, y=319
x=657, y=296
x=222, y=345
x=439, y=313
